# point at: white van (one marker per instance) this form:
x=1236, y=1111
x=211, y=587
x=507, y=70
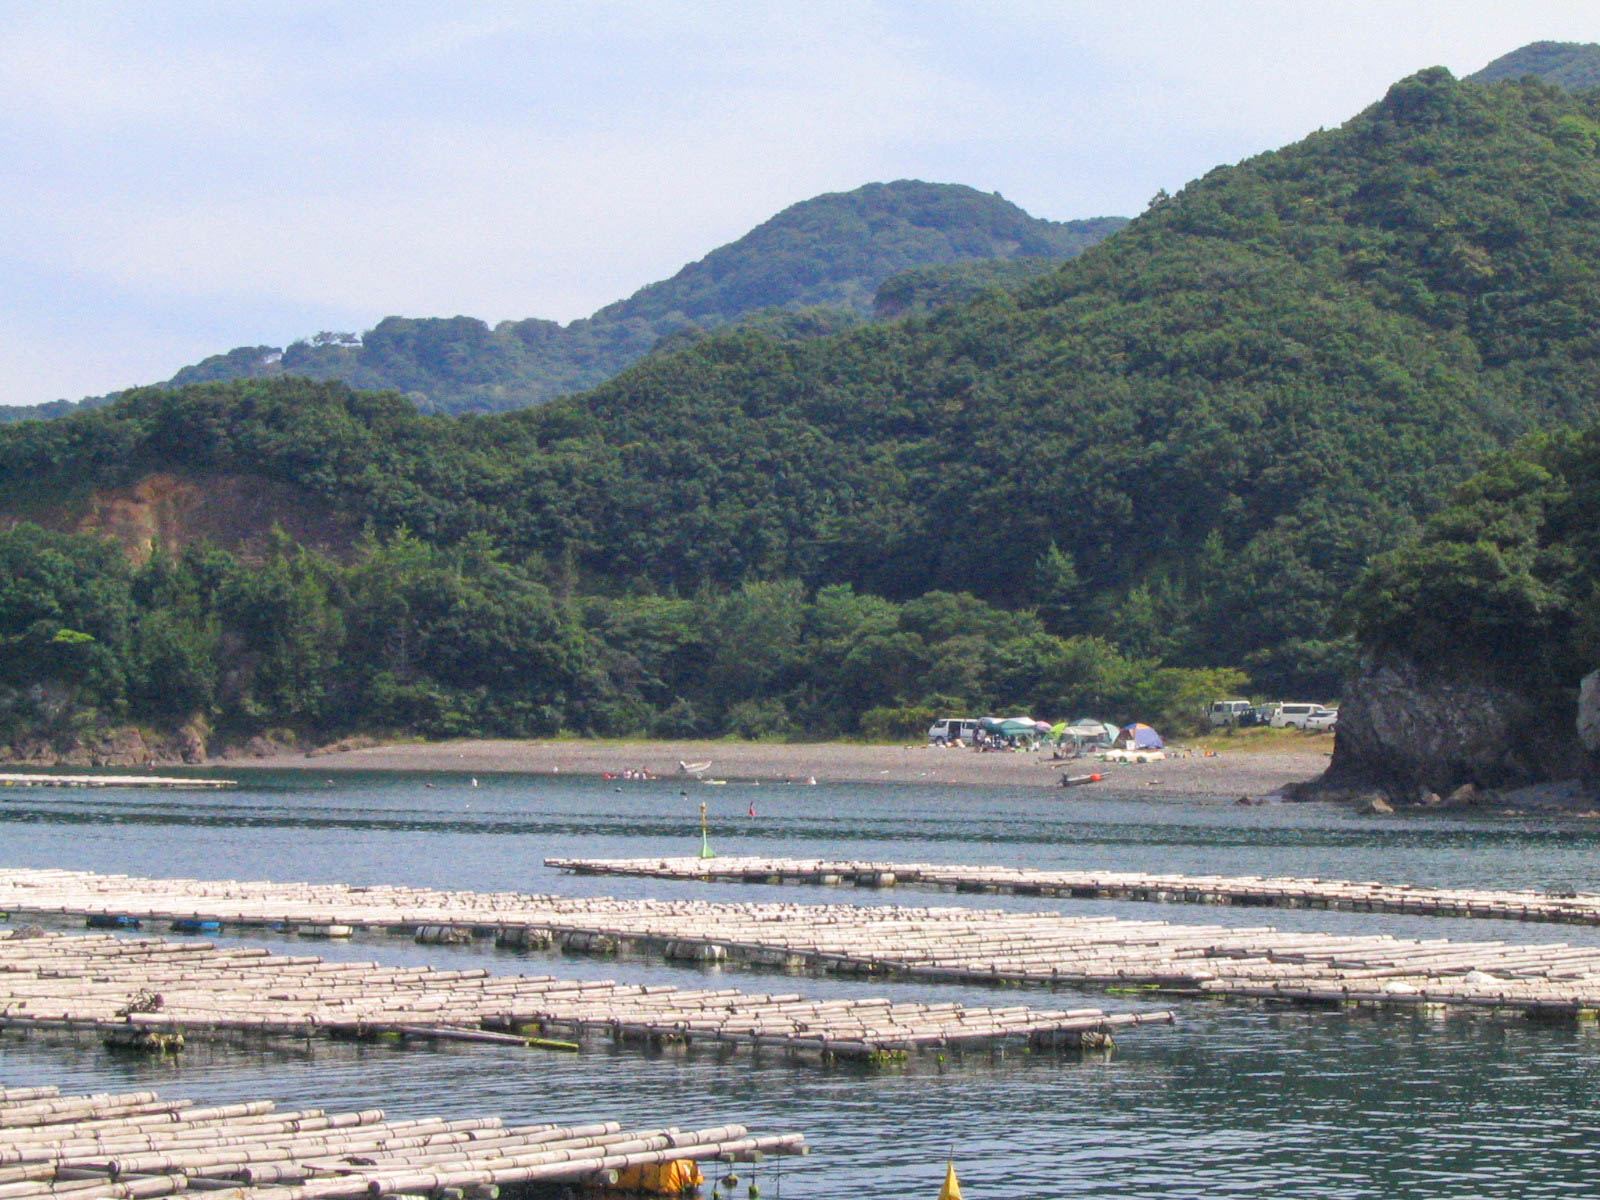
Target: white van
x=1303, y=716
x=1227, y=712
x=948, y=729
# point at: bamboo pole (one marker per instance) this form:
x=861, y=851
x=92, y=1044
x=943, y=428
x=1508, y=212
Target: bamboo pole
x=71, y=982
x=286, y=1160
x=271, y=994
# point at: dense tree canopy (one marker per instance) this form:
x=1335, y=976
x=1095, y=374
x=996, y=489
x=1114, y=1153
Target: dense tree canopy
x=1506, y=577
x=1572, y=65
x=456, y=640
x=1182, y=447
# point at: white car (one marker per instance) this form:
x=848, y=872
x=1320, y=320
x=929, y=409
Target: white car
x=1304, y=716
x=949, y=729
x=1227, y=712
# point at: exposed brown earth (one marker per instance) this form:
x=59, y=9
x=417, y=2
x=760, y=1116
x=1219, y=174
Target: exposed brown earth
x=175, y=510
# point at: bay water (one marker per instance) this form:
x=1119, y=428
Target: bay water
x=1232, y=1100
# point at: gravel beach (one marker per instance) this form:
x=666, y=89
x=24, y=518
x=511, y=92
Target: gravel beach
x=1226, y=773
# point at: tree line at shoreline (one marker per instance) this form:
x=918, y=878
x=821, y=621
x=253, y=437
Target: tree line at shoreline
x=455, y=641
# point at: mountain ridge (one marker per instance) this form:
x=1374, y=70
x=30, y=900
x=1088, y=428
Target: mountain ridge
x=1177, y=452
x=830, y=252
x=1574, y=66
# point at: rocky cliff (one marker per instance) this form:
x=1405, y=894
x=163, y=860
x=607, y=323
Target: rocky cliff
x=1412, y=735
x=1589, y=719
x=107, y=746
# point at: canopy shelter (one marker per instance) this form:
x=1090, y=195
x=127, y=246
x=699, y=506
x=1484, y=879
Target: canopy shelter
x=1009, y=727
x=1138, y=737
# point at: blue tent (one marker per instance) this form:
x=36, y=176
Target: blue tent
x=1139, y=737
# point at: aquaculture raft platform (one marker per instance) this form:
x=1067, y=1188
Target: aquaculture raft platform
x=1250, y=891
x=136, y=1144
x=952, y=944
x=137, y=990
x=114, y=781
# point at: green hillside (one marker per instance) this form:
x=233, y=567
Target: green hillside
x=835, y=250
x=1505, y=579
x=1483, y=629
x=829, y=252
x=1181, y=448
x=1571, y=65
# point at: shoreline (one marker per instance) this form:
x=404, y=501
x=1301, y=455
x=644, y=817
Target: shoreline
x=1226, y=774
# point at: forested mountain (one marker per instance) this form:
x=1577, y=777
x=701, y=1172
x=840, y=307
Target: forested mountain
x=1505, y=579
x=1180, y=448
x=831, y=252
x=1571, y=65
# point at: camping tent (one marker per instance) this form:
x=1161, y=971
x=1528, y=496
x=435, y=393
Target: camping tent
x=1138, y=737
x=1091, y=729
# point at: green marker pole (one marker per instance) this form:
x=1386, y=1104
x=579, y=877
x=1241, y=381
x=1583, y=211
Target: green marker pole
x=705, y=842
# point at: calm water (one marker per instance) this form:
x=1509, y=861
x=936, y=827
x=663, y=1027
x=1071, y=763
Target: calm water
x=1233, y=1101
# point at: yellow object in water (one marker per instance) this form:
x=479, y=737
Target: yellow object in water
x=662, y=1179
x=952, y=1186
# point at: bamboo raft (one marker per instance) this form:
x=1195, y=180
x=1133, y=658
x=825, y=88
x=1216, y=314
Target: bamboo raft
x=1251, y=891
x=953, y=944
x=112, y=1146
x=114, y=781
x=146, y=993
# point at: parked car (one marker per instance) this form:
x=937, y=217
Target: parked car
x=1300, y=716
x=1258, y=714
x=1227, y=712
x=948, y=729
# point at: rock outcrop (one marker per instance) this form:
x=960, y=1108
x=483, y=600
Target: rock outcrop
x=1589, y=717
x=1409, y=734
x=119, y=746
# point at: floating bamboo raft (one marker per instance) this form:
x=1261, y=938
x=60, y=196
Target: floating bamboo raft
x=1254, y=891
x=118, y=1146
x=113, y=781
x=945, y=944
x=144, y=992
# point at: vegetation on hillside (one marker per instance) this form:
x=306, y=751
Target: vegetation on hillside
x=457, y=640
x=828, y=253
x=1571, y=65
x=1505, y=579
x=926, y=289
x=1184, y=446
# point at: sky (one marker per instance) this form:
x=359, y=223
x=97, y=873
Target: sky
x=184, y=178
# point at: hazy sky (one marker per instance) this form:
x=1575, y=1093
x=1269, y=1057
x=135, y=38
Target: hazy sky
x=183, y=178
